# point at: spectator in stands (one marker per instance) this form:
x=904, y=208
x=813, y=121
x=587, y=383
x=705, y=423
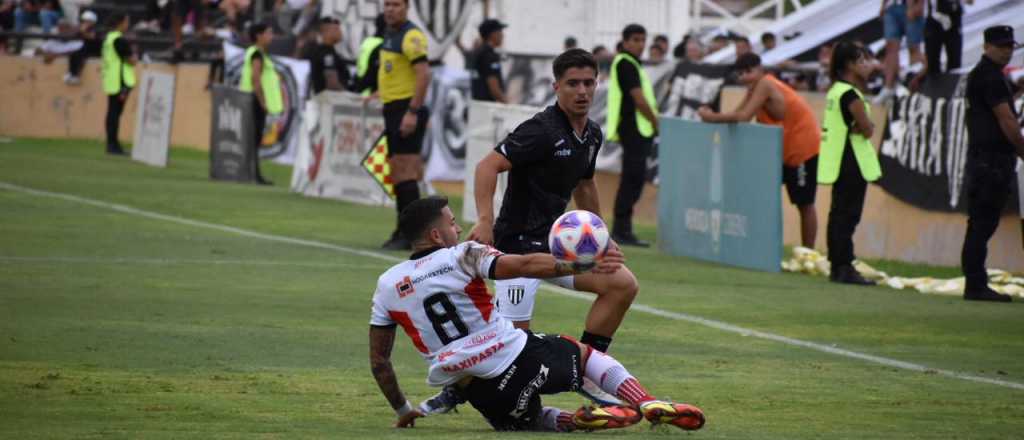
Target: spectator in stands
x=368, y=64
x=118, y=77
x=994, y=143
x=184, y=12
x=847, y=159
x=656, y=54
x=773, y=102
x=327, y=69
x=569, y=43
x=742, y=46
x=900, y=18
x=260, y=78
x=824, y=80
x=661, y=40
x=7, y=8
x=768, y=41
x=633, y=121
x=604, y=57
x=487, y=84
x=91, y=46
x=943, y=22
x=234, y=9
x=44, y=12
x=694, y=51
x=71, y=9
x=717, y=43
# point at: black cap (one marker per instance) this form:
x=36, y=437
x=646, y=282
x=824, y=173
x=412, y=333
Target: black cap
x=747, y=61
x=1000, y=36
x=490, y=26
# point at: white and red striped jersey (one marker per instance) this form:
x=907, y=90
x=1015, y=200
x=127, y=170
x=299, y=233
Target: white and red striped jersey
x=441, y=301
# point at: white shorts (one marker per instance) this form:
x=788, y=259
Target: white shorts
x=514, y=297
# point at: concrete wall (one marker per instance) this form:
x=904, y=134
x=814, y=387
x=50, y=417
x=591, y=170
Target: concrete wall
x=37, y=103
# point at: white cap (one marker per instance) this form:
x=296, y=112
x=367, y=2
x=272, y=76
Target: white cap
x=89, y=16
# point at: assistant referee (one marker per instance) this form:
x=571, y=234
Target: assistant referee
x=403, y=78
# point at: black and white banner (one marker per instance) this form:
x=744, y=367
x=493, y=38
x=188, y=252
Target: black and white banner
x=231, y=135
x=924, y=146
x=153, y=118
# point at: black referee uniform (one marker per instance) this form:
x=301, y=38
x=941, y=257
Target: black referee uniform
x=548, y=161
x=991, y=157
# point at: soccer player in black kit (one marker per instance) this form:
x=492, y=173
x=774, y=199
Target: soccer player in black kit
x=550, y=158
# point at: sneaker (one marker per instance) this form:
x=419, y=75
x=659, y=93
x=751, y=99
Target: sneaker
x=685, y=416
x=986, y=294
x=629, y=240
x=595, y=394
x=442, y=402
x=592, y=418
x=847, y=274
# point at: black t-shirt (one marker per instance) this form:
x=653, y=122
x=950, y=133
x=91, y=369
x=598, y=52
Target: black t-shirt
x=844, y=105
x=486, y=63
x=987, y=87
x=323, y=61
x=629, y=79
x=548, y=161
x=949, y=8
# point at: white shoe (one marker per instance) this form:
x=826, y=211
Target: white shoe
x=591, y=391
x=884, y=96
x=71, y=80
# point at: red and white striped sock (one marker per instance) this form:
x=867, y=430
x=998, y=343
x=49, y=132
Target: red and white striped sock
x=631, y=391
x=613, y=378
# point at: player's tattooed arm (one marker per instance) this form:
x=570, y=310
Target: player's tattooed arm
x=382, y=340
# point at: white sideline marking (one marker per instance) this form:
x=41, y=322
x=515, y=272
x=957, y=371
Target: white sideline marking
x=168, y=261
x=558, y=290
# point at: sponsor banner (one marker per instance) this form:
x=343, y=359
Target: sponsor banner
x=339, y=133
x=231, y=135
x=722, y=202
x=924, y=146
x=281, y=135
x=441, y=20
x=153, y=118
x=489, y=124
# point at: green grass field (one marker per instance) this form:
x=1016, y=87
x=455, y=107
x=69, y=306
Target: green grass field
x=120, y=325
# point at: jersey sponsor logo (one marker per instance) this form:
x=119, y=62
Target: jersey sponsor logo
x=575, y=374
x=405, y=288
x=479, y=340
x=516, y=293
x=528, y=391
x=423, y=261
x=434, y=273
x=508, y=376
x=445, y=355
x=474, y=359
x=565, y=152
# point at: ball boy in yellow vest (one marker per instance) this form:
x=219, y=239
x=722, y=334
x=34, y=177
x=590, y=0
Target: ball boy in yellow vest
x=260, y=79
x=118, y=77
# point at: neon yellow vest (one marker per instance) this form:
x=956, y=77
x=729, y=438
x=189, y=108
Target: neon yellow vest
x=268, y=79
x=114, y=67
x=833, y=140
x=363, y=63
x=615, y=93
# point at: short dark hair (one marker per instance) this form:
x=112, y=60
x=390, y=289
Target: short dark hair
x=256, y=29
x=661, y=38
x=417, y=218
x=747, y=61
x=573, y=58
x=632, y=29
x=570, y=42
x=844, y=52
x=739, y=39
x=598, y=48
x=767, y=36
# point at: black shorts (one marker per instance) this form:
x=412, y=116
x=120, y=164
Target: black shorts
x=801, y=182
x=394, y=111
x=510, y=401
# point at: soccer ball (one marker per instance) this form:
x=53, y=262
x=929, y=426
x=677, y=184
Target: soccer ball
x=578, y=237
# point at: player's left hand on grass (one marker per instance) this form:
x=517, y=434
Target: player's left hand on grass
x=612, y=261
x=409, y=419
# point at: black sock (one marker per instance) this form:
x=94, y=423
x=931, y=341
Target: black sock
x=598, y=342
x=405, y=193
